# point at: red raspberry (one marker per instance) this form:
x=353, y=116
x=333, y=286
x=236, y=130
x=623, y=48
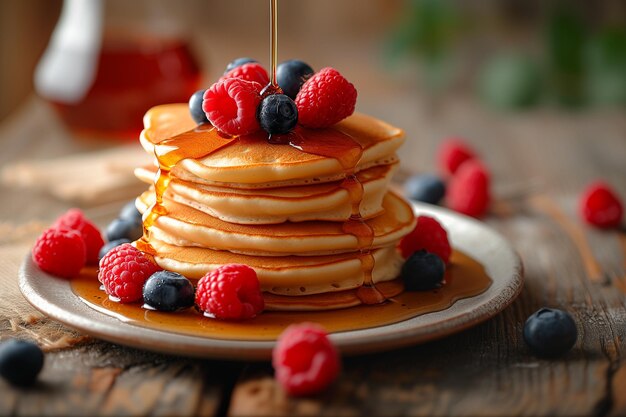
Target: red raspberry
x=325, y=99
x=468, y=190
x=60, y=252
x=124, y=270
x=600, y=205
x=230, y=105
x=304, y=359
x=429, y=235
x=74, y=219
x=452, y=153
x=230, y=292
x=252, y=71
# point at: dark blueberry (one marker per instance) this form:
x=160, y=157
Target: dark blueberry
x=168, y=291
x=130, y=212
x=550, y=332
x=195, y=107
x=290, y=75
x=123, y=229
x=238, y=62
x=277, y=114
x=20, y=362
x=427, y=188
x=423, y=271
x=108, y=246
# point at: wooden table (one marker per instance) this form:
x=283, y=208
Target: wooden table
x=540, y=162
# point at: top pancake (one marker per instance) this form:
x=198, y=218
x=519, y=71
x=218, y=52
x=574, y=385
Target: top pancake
x=251, y=160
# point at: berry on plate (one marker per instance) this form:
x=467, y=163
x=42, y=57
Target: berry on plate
x=305, y=360
x=230, y=292
x=168, y=291
x=123, y=272
x=600, y=205
x=74, y=219
x=123, y=229
x=426, y=188
x=452, y=153
x=110, y=245
x=428, y=235
x=325, y=99
x=468, y=190
x=129, y=212
x=251, y=71
x=550, y=332
x=290, y=75
x=20, y=362
x=231, y=105
x=195, y=107
x=423, y=271
x=60, y=252
x=277, y=114
x=237, y=63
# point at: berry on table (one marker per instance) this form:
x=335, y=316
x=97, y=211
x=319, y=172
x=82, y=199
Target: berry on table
x=20, y=362
x=124, y=271
x=248, y=72
x=168, y=291
x=290, y=75
x=230, y=292
x=237, y=63
x=74, y=219
x=325, y=99
x=129, y=212
x=277, y=114
x=600, y=205
x=304, y=359
x=110, y=245
x=426, y=188
x=429, y=235
x=468, y=190
x=550, y=332
x=195, y=107
x=123, y=229
x=452, y=153
x=231, y=106
x=60, y=252
x=423, y=271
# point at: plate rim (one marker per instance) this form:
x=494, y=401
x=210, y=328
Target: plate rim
x=49, y=296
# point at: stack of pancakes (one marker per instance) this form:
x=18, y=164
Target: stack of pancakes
x=279, y=210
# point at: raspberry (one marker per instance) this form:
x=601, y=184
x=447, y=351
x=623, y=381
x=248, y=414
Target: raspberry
x=60, y=252
x=325, y=99
x=600, y=206
x=74, y=219
x=304, y=359
x=428, y=235
x=230, y=105
x=468, y=190
x=452, y=153
x=124, y=270
x=252, y=71
x=230, y=292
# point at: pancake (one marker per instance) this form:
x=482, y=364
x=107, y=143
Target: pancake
x=185, y=226
x=251, y=160
x=326, y=201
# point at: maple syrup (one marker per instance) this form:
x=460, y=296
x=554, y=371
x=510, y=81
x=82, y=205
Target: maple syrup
x=465, y=277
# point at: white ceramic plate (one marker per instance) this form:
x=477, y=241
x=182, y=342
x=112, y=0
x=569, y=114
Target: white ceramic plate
x=55, y=298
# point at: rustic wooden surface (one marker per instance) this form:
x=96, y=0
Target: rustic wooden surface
x=540, y=162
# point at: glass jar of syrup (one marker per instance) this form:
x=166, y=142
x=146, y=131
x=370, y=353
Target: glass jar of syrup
x=109, y=61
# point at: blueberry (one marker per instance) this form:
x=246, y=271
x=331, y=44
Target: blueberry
x=423, y=271
x=113, y=244
x=277, y=114
x=130, y=212
x=427, y=188
x=195, y=107
x=168, y=291
x=20, y=362
x=238, y=62
x=290, y=75
x=123, y=229
x=550, y=332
